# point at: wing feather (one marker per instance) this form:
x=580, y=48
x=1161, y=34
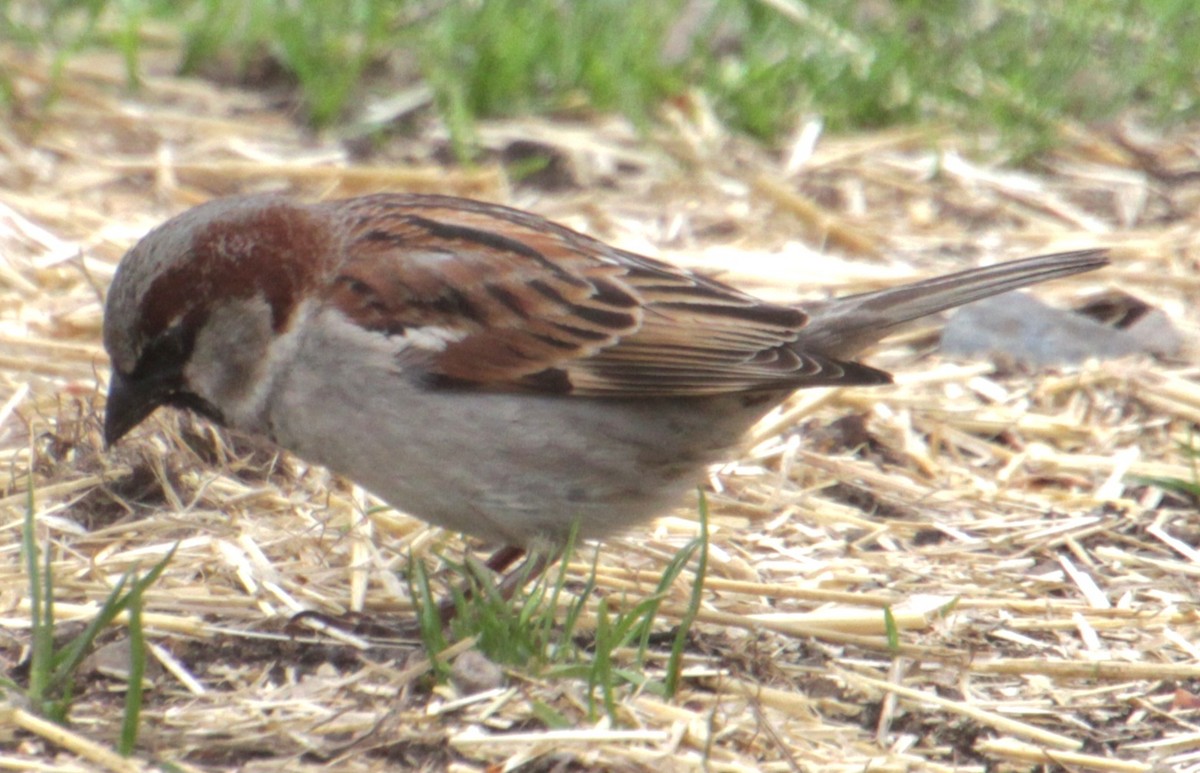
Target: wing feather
x=533, y=306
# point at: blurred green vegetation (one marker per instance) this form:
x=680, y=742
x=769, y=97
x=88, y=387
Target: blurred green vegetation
x=1016, y=66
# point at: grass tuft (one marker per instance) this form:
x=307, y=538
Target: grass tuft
x=540, y=628
x=1188, y=489
x=53, y=669
x=1019, y=68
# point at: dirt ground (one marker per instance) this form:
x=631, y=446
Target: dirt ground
x=1044, y=593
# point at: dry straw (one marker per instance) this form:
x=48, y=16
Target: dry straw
x=1043, y=597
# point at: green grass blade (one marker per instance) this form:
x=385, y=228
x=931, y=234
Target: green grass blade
x=131, y=720
x=551, y=718
x=1187, y=489
x=675, y=663
x=670, y=575
x=429, y=619
x=571, y=621
x=892, y=630
x=41, y=654
x=68, y=660
x=600, y=676
x=564, y=643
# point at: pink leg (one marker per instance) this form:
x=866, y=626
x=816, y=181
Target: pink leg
x=512, y=580
x=500, y=561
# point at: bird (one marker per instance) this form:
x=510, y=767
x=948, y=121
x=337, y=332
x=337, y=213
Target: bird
x=478, y=366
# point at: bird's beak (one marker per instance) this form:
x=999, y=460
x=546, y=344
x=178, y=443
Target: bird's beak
x=130, y=401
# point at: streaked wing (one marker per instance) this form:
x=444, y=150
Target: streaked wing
x=513, y=302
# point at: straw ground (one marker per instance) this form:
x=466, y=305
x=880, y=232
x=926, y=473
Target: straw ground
x=965, y=571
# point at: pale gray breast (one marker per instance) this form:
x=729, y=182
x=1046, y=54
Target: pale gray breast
x=504, y=467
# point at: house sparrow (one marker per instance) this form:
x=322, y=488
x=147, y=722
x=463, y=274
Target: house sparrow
x=476, y=366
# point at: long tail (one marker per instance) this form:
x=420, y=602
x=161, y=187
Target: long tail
x=842, y=327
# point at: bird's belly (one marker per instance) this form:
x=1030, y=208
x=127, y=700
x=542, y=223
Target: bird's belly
x=512, y=468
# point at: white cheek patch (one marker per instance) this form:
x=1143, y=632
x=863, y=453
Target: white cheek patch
x=237, y=356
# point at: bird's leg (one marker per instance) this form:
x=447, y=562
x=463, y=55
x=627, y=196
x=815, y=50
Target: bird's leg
x=530, y=569
x=512, y=579
x=500, y=561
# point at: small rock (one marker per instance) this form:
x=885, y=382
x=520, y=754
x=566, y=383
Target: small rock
x=1020, y=329
x=472, y=672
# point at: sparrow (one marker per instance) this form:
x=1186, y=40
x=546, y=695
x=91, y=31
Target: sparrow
x=477, y=366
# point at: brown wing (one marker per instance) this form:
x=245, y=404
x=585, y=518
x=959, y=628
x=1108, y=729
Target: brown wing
x=507, y=300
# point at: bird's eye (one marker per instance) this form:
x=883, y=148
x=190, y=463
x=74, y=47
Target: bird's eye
x=167, y=353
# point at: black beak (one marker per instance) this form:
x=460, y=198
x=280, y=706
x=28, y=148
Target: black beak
x=130, y=401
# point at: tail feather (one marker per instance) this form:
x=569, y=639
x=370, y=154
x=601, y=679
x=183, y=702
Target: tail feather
x=842, y=327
